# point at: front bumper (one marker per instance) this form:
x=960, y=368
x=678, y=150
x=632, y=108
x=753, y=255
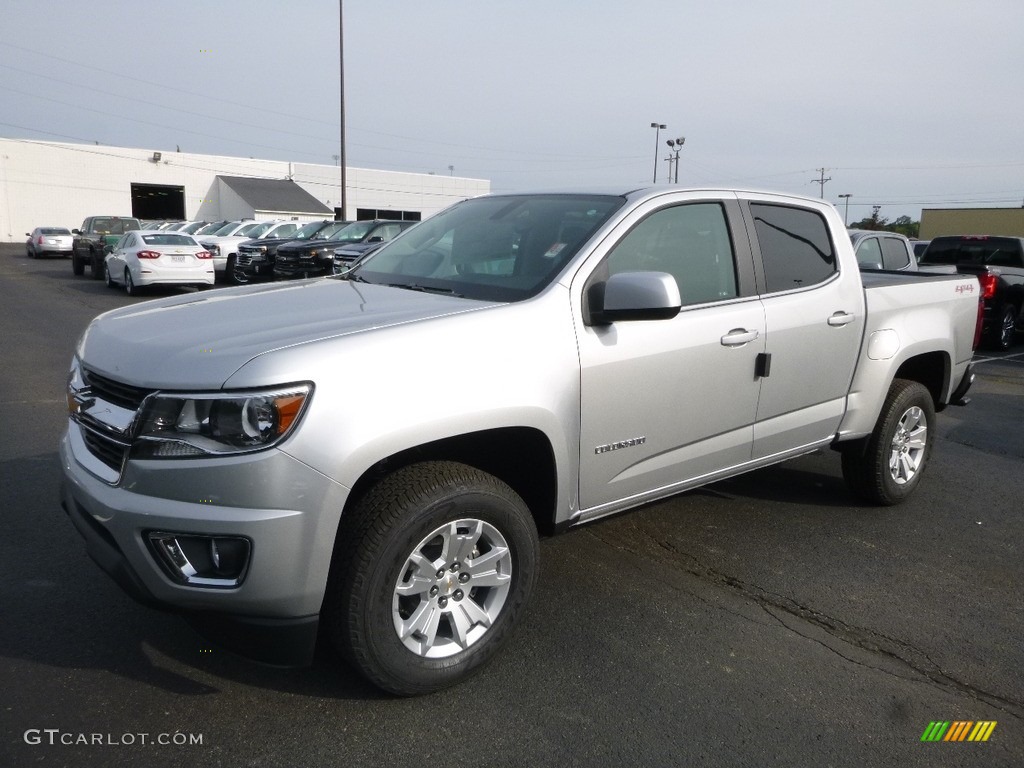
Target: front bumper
x=289, y=512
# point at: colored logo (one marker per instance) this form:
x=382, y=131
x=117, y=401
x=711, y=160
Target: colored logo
x=958, y=730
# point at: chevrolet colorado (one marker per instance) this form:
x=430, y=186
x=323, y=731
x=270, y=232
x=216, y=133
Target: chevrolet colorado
x=377, y=453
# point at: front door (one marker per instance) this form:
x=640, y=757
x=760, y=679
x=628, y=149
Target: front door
x=667, y=401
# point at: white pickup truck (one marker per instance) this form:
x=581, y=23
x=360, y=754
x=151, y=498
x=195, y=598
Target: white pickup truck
x=378, y=451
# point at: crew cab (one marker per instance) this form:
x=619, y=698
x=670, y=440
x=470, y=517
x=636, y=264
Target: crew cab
x=998, y=262
x=377, y=453
x=90, y=242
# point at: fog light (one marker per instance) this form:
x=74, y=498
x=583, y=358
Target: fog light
x=202, y=561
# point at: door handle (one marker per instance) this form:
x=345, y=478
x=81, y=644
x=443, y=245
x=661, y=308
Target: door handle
x=737, y=337
x=840, y=319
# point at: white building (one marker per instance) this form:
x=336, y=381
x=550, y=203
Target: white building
x=44, y=183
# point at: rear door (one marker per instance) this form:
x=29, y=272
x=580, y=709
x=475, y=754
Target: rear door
x=814, y=313
x=666, y=401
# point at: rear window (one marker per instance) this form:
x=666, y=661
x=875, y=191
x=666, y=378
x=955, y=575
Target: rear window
x=168, y=238
x=994, y=251
x=54, y=231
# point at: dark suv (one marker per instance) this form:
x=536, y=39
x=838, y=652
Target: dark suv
x=999, y=264
x=296, y=260
x=255, y=261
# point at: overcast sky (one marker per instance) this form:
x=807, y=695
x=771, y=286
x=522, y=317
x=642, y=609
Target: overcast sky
x=905, y=103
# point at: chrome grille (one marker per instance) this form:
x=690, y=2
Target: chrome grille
x=124, y=395
x=108, y=451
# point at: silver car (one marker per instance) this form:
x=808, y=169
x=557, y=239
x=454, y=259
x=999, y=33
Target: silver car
x=43, y=241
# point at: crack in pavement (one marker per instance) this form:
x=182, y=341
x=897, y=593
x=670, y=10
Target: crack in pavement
x=894, y=649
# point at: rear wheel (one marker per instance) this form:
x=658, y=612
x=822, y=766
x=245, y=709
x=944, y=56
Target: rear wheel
x=96, y=260
x=886, y=468
x=433, y=567
x=129, y=285
x=1004, y=331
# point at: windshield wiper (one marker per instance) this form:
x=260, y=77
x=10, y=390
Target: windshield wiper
x=424, y=289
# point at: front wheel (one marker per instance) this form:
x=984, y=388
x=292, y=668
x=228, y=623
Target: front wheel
x=77, y=266
x=433, y=568
x=888, y=466
x=106, y=276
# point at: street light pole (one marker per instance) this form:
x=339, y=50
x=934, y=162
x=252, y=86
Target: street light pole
x=341, y=78
x=677, y=146
x=846, y=214
x=657, y=136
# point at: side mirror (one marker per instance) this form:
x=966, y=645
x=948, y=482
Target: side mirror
x=76, y=231
x=634, y=296
x=376, y=239
x=869, y=265
x=108, y=249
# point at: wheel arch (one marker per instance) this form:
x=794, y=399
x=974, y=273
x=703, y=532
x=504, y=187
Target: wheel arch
x=932, y=370
x=521, y=457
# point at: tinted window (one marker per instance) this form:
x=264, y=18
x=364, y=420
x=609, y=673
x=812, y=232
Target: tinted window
x=691, y=243
x=894, y=253
x=54, y=231
x=869, y=254
x=795, y=246
x=998, y=251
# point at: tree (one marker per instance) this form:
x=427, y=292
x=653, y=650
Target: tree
x=904, y=225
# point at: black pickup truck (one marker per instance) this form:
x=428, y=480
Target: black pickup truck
x=96, y=233
x=998, y=263
x=255, y=262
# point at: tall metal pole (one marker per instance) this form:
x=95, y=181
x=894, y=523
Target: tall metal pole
x=846, y=213
x=657, y=135
x=341, y=79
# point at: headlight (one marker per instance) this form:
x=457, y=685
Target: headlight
x=181, y=426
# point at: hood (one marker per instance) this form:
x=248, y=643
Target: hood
x=198, y=340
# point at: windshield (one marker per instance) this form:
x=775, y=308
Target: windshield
x=307, y=231
x=253, y=230
x=505, y=248
x=227, y=229
x=353, y=233
x=328, y=233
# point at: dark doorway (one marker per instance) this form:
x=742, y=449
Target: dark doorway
x=158, y=201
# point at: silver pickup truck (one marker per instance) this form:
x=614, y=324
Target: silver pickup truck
x=379, y=451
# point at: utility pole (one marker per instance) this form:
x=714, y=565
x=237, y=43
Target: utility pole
x=821, y=181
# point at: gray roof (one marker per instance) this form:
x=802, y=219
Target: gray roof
x=274, y=195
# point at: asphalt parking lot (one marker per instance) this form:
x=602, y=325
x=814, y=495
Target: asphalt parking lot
x=766, y=620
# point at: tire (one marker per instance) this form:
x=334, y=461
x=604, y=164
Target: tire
x=1004, y=331
x=30, y=252
x=885, y=468
x=77, y=266
x=96, y=266
x=411, y=629
x=229, y=269
x=107, y=278
x=129, y=285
